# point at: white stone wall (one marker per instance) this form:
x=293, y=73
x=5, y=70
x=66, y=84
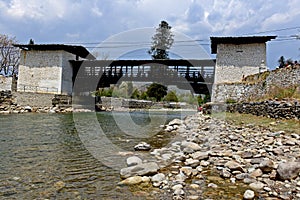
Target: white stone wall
x=233, y=61
x=245, y=91
x=5, y=83
x=42, y=71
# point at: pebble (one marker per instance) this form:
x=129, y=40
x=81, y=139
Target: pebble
x=193, y=197
x=212, y=185
x=133, y=160
x=178, y=191
x=178, y=186
x=131, y=181
x=194, y=186
x=249, y=194
x=158, y=177
x=256, y=185
x=254, y=155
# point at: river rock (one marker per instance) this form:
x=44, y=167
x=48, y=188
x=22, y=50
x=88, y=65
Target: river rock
x=187, y=170
x=204, y=163
x=193, y=197
x=225, y=173
x=200, y=155
x=166, y=156
x=242, y=176
x=140, y=170
x=289, y=170
x=175, y=122
x=191, y=162
x=212, y=185
x=256, y=185
x=195, y=186
x=266, y=166
x=28, y=108
x=169, y=128
x=180, y=178
x=191, y=145
x=178, y=192
x=233, y=166
x=256, y=173
x=133, y=160
x=142, y=146
x=157, y=179
x=249, y=194
x=178, y=186
x=131, y=181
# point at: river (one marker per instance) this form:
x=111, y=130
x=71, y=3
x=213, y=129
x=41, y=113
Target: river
x=46, y=156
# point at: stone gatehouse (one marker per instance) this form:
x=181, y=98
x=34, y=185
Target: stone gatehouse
x=238, y=57
x=45, y=68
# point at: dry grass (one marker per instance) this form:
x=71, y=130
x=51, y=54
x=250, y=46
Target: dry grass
x=283, y=92
x=255, y=78
x=289, y=126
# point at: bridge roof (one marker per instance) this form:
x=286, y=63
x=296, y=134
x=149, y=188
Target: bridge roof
x=73, y=49
x=180, y=62
x=238, y=40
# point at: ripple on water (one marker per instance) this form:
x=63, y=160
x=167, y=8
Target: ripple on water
x=42, y=157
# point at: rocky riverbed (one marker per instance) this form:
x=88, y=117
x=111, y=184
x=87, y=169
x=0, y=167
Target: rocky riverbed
x=211, y=159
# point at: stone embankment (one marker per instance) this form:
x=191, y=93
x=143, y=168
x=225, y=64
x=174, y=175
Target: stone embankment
x=257, y=86
x=31, y=102
x=267, y=163
x=289, y=109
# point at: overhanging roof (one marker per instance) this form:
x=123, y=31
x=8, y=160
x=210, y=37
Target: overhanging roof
x=238, y=40
x=76, y=50
x=167, y=62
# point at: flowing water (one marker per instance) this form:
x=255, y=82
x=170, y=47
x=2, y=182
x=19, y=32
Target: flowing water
x=42, y=156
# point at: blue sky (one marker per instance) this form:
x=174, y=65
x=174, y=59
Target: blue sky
x=129, y=24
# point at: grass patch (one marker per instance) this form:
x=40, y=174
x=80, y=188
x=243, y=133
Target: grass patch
x=230, y=101
x=282, y=92
x=255, y=78
x=289, y=126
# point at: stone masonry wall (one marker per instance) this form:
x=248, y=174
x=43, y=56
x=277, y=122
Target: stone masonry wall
x=237, y=91
x=236, y=61
x=41, y=71
x=5, y=83
x=33, y=99
x=284, y=77
x=272, y=109
x=256, y=86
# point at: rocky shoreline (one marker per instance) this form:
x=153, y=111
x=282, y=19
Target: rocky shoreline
x=252, y=162
x=63, y=104
x=17, y=109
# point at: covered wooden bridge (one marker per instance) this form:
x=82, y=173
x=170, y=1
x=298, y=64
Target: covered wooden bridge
x=195, y=75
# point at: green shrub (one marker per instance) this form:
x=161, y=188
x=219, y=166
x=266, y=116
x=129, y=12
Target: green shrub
x=144, y=96
x=171, y=97
x=135, y=94
x=157, y=91
x=230, y=101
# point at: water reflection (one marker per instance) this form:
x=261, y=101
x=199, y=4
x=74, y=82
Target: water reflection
x=43, y=157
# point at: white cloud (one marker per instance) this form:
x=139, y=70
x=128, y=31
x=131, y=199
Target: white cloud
x=73, y=35
x=95, y=20
x=97, y=11
x=35, y=9
x=48, y=10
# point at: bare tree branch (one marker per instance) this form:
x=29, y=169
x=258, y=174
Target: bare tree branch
x=9, y=56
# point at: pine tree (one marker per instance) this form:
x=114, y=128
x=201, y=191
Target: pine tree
x=162, y=41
